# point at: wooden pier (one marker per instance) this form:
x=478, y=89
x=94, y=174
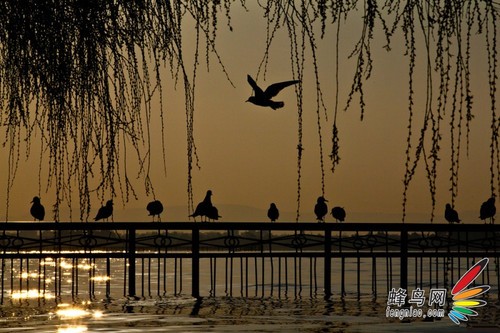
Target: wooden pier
x=269, y=256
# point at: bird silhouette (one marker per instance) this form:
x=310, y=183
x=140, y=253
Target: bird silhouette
x=273, y=213
x=451, y=215
x=338, y=214
x=213, y=213
x=37, y=210
x=488, y=209
x=105, y=211
x=202, y=209
x=321, y=209
x=155, y=208
x=263, y=98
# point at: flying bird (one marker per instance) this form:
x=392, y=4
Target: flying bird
x=105, y=211
x=263, y=98
x=338, y=214
x=203, y=208
x=273, y=213
x=37, y=210
x=321, y=209
x=155, y=208
x=213, y=213
x=451, y=215
x=488, y=209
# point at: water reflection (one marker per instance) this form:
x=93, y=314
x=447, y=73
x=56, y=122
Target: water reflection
x=72, y=329
x=97, y=314
x=221, y=314
x=65, y=265
x=71, y=312
x=48, y=262
x=83, y=302
x=86, y=267
x=26, y=275
x=31, y=294
x=66, y=311
x=101, y=278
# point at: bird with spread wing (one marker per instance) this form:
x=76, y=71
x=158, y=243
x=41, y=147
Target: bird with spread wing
x=263, y=98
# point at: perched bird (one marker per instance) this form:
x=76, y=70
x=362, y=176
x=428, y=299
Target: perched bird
x=155, y=208
x=105, y=211
x=488, y=210
x=263, y=98
x=213, y=213
x=37, y=210
x=273, y=213
x=338, y=214
x=451, y=215
x=203, y=207
x=321, y=209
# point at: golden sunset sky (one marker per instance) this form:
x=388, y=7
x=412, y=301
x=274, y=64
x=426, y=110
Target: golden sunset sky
x=248, y=154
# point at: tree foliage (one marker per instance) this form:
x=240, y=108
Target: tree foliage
x=80, y=75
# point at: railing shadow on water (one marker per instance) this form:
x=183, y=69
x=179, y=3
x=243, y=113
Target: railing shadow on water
x=241, y=259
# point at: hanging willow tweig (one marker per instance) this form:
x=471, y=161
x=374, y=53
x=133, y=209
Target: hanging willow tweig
x=77, y=73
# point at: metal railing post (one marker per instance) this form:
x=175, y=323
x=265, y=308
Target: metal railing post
x=328, y=263
x=131, y=262
x=195, y=257
x=403, y=273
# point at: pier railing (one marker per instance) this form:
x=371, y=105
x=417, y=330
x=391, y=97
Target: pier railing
x=259, y=253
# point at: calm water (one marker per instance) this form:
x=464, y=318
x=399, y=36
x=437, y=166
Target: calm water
x=302, y=310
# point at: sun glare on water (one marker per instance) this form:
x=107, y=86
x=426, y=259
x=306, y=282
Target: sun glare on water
x=100, y=278
x=66, y=311
x=72, y=329
x=31, y=294
x=26, y=275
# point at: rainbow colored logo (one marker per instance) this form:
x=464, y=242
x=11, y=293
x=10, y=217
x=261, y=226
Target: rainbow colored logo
x=462, y=299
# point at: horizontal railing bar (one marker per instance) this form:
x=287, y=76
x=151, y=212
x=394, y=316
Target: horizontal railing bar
x=115, y=255
x=224, y=226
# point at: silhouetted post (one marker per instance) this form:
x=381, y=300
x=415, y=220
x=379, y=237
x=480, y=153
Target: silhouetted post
x=328, y=263
x=195, y=273
x=404, y=259
x=131, y=262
